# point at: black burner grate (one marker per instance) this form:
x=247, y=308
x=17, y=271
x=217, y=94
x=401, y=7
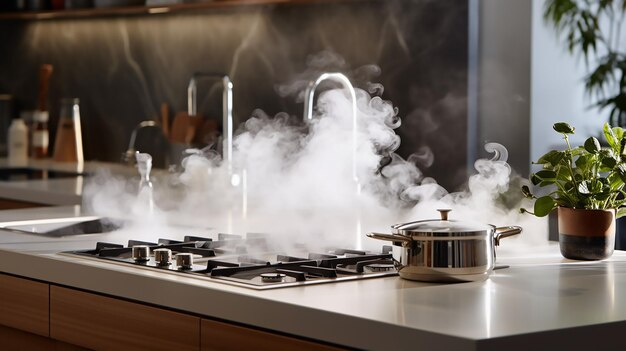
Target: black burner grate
x=227, y=260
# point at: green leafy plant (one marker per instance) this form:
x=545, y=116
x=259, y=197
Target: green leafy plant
x=593, y=28
x=582, y=177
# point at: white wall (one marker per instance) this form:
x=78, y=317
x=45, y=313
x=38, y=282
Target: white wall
x=527, y=81
x=557, y=89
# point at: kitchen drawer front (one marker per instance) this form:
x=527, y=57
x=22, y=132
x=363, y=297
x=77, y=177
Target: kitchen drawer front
x=216, y=336
x=104, y=323
x=24, y=304
x=13, y=339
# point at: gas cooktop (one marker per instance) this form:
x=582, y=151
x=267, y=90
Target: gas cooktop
x=249, y=262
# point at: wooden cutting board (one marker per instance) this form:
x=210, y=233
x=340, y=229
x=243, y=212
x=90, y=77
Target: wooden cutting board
x=181, y=123
x=184, y=128
x=165, y=119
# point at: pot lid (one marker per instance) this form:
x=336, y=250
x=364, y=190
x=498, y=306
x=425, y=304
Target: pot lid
x=443, y=225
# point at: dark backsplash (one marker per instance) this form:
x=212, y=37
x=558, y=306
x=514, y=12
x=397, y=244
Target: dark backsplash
x=123, y=68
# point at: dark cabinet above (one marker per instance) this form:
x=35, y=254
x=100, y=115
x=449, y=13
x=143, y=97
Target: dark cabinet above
x=149, y=10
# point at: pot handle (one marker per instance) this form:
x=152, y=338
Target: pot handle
x=389, y=237
x=504, y=232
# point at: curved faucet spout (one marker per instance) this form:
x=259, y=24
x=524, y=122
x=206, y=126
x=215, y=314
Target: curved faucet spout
x=308, y=108
x=227, y=122
x=129, y=155
x=227, y=111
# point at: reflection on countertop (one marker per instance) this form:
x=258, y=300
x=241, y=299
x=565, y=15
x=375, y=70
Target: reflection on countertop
x=52, y=183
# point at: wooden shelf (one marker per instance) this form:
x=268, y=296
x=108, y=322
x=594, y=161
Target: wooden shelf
x=150, y=10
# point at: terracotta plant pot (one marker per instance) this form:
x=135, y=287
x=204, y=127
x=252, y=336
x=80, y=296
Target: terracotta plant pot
x=586, y=234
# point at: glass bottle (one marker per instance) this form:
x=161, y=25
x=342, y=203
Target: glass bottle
x=18, y=143
x=39, y=139
x=68, y=146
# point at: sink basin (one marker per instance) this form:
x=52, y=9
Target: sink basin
x=60, y=227
x=25, y=173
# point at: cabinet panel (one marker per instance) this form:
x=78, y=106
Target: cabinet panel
x=216, y=336
x=13, y=339
x=104, y=323
x=24, y=304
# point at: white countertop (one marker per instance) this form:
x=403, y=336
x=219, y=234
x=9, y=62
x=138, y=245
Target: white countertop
x=59, y=191
x=542, y=300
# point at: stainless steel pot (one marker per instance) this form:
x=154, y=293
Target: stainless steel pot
x=445, y=250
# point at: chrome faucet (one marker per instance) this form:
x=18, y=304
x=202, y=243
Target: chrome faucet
x=308, y=109
x=129, y=156
x=227, y=111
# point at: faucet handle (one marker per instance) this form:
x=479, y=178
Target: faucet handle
x=128, y=157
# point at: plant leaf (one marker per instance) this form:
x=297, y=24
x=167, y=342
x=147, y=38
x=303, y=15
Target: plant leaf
x=543, y=206
x=611, y=138
x=602, y=196
x=621, y=172
x=583, y=188
x=546, y=174
x=584, y=162
x=563, y=174
x=592, y=145
x=526, y=192
x=552, y=157
x=609, y=162
x=618, y=132
x=563, y=128
x=534, y=179
x=621, y=212
x=615, y=181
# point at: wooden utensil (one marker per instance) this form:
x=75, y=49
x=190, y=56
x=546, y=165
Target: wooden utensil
x=208, y=133
x=195, y=125
x=165, y=119
x=45, y=71
x=179, y=127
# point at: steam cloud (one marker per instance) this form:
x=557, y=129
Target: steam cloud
x=295, y=179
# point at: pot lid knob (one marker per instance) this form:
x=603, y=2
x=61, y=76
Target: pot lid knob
x=444, y=213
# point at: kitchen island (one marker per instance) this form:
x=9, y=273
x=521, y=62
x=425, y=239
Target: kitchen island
x=61, y=189
x=540, y=301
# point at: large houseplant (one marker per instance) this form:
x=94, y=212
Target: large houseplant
x=587, y=186
x=593, y=29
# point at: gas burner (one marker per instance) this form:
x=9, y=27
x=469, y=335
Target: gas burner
x=246, y=261
x=380, y=267
x=272, y=277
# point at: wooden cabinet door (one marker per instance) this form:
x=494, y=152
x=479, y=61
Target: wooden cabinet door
x=13, y=339
x=24, y=304
x=217, y=336
x=104, y=323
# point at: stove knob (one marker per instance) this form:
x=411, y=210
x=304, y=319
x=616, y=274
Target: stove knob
x=141, y=253
x=184, y=260
x=163, y=257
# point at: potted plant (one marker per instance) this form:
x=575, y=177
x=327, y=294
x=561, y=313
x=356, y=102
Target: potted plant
x=587, y=187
